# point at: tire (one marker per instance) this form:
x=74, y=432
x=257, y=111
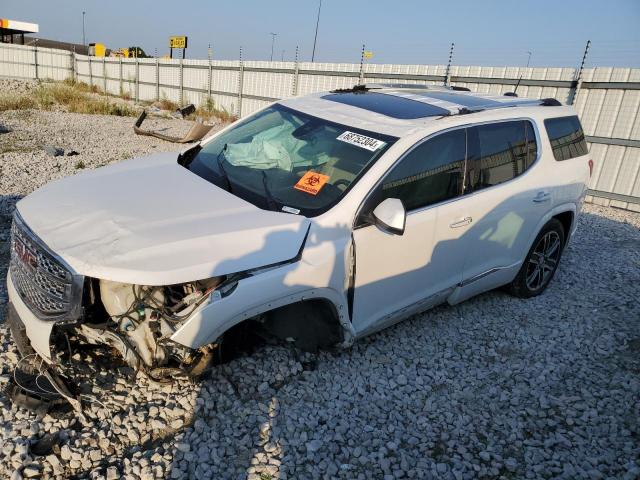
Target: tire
x=541, y=262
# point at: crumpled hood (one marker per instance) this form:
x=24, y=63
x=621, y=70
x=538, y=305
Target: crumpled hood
x=150, y=221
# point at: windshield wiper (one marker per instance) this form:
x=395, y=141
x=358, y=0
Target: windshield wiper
x=271, y=201
x=224, y=175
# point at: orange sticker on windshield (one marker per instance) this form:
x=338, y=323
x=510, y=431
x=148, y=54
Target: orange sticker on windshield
x=311, y=182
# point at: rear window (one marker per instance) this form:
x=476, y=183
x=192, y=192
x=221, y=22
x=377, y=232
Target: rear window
x=566, y=137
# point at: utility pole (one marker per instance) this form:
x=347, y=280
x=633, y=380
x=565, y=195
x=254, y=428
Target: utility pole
x=282, y=58
x=273, y=41
x=83, y=40
x=315, y=38
x=528, y=59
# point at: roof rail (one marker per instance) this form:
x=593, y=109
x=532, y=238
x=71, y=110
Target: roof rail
x=398, y=86
x=545, y=102
x=550, y=102
x=354, y=89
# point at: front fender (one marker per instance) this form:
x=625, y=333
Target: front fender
x=255, y=295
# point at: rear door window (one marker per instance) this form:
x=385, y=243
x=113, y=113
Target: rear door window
x=566, y=137
x=499, y=152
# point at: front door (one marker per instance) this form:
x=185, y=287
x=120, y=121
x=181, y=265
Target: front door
x=396, y=275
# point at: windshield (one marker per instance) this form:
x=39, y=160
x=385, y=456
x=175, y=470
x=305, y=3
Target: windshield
x=282, y=159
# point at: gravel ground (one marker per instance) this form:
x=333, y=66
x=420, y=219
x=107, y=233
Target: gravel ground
x=496, y=387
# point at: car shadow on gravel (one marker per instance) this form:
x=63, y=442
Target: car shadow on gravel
x=7, y=206
x=279, y=413
x=485, y=388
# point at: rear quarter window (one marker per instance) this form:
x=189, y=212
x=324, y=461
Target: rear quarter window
x=566, y=137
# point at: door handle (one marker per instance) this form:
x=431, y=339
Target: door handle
x=461, y=223
x=542, y=197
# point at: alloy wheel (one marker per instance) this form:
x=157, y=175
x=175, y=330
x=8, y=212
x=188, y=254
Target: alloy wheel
x=543, y=261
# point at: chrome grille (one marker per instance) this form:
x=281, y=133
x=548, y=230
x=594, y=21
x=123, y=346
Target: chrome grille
x=44, y=283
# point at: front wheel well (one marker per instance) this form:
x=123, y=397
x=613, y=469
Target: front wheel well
x=308, y=325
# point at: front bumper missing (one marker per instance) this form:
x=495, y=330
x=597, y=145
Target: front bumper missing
x=26, y=383
x=38, y=331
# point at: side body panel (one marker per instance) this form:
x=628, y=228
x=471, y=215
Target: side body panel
x=319, y=273
x=394, y=272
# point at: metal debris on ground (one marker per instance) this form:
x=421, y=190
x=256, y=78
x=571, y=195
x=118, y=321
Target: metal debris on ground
x=196, y=132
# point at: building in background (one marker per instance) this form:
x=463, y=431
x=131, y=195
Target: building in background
x=12, y=31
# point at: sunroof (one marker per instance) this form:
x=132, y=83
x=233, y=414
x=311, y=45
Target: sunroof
x=389, y=105
x=469, y=101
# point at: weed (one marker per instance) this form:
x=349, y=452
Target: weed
x=208, y=110
x=73, y=96
x=14, y=148
x=79, y=165
x=165, y=104
x=81, y=86
x=11, y=102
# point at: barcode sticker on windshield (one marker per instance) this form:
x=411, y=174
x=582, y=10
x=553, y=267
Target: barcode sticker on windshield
x=361, y=141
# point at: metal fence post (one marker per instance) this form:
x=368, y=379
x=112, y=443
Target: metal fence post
x=578, y=79
x=72, y=64
x=104, y=74
x=120, y=76
x=35, y=58
x=447, y=75
x=210, y=80
x=181, y=82
x=361, y=76
x=240, y=84
x=137, y=80
x=296, y=72
x=157, y=79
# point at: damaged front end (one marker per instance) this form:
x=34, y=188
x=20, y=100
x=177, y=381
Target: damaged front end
x=138, y=322
x=54, y=311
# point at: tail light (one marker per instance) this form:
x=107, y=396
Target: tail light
x=590, y=167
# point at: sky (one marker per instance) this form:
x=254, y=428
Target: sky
x=489, y=32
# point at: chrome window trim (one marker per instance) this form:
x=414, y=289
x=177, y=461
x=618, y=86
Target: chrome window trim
x=536, y=131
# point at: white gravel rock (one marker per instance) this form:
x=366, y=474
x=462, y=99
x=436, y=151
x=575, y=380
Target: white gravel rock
x=494, y=387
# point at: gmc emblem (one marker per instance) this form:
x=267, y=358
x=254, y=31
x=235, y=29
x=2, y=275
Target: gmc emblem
x=25, y=255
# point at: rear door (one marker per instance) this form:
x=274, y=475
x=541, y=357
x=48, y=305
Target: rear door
x=508, y=201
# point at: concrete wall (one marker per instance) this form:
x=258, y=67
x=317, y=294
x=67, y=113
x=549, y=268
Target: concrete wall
x=607, y=99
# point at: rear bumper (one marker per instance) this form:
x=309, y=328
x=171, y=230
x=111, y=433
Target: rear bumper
x=29, y=332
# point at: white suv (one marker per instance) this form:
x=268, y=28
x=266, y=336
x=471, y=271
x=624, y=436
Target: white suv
x=317, y=220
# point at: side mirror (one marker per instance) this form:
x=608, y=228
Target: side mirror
x=390, y=216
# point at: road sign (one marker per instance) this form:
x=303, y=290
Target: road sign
x=368, y=54
x=178, y=42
